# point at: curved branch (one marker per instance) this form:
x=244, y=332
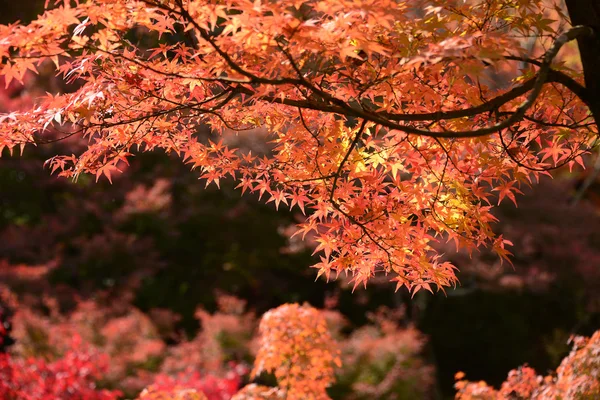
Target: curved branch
x=534, y=85
x=538, y=83
x=496, y=102
x=559, y=77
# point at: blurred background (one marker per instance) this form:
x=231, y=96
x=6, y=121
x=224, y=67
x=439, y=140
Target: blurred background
x=157, y=270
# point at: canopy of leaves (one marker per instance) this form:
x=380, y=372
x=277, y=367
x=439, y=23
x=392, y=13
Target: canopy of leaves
x=387, y=126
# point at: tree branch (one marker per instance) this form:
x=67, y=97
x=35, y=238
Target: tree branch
x=346, y=156
x=559, y=77
x=333, y=104
x=496, y=102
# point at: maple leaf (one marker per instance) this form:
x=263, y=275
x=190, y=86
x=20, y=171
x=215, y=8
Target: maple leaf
x=298, y=199
x=507, y=190
x=278, y=196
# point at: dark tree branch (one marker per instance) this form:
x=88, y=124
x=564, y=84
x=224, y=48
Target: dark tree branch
x=329, y=103
x=355, y=141
x=560, y=77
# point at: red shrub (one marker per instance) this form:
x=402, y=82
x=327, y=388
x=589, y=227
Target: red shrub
x=190, y=384
x=69, y=378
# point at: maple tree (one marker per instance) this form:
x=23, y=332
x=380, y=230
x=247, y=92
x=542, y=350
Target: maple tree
x=388, y=127
x=297, y=347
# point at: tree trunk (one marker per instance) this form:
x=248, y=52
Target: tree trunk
x=587, y=13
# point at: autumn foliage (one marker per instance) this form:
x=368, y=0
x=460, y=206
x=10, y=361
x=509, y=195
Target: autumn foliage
x=106, y=352
x=576, y=378
x=296, y=350
x=296, y=346
x=389, y=124
x=72, y=377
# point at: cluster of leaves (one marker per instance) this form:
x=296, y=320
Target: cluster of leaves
x=300, y=346
x=71, y=377
x=127, y=340
x=153, y=393
x=75, y=373
x=576, y=378
x=135, y=352
x=331, y=85
x=554, y=243
x=296, y=346
x=191, y=386
x=118, y=351
x=380, y=359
